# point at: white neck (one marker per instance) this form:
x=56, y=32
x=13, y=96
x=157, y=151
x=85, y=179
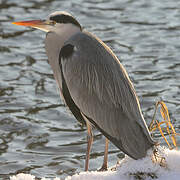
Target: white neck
x=54, y=42
x=57, y=36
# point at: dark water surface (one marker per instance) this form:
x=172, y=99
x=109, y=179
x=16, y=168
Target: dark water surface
x=38, y=135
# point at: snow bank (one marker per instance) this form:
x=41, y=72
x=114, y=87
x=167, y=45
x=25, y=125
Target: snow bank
x=129, y=169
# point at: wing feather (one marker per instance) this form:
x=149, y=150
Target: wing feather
x=102, y=90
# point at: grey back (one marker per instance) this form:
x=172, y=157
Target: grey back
x=102, y=90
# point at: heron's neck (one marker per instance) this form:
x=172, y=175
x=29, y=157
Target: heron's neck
x=55, y=39
x=54, y=42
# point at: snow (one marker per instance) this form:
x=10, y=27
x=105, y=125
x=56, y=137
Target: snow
x=130, y=169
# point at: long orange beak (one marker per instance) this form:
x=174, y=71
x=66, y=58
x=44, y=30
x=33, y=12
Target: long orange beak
x=38, y=24
x=32, y=23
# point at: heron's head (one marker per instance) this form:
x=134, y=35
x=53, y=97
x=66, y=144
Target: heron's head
x=54, y=21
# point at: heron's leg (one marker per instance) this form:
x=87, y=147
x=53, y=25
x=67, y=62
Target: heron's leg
x=89, y=141
x=104, y=166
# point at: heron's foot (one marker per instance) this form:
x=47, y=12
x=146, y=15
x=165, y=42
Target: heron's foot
x=118, y=162
x=103, y=168
x=115, y=167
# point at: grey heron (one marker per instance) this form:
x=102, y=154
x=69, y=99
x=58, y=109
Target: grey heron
x=94, y=85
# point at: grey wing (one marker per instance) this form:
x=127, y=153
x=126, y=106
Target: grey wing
x=102, y=90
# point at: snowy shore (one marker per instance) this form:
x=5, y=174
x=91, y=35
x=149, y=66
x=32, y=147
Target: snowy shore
x=129, y=169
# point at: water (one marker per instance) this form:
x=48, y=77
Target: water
x=38, y=135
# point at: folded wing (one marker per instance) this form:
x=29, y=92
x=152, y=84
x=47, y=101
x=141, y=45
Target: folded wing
x=100, y=87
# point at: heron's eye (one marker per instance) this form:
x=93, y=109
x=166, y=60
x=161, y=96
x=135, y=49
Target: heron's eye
x=52, y=23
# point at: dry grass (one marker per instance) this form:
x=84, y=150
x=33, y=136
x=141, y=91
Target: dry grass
x=156, y=124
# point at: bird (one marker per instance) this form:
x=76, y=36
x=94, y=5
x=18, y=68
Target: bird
x=94, y=85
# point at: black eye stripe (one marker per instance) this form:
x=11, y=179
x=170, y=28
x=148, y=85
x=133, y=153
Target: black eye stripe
x=61, y=18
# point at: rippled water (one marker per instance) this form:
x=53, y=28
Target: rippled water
x=38, y=135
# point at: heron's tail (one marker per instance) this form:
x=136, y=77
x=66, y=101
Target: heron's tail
x=134, y=141
x=129, y=137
